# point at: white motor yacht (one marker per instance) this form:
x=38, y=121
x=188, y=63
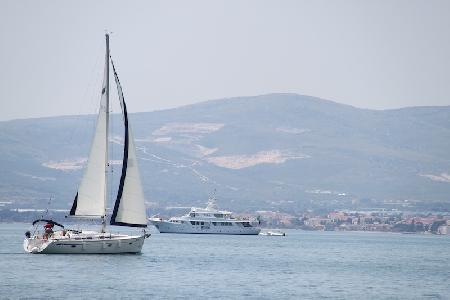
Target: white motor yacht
x=207, y=220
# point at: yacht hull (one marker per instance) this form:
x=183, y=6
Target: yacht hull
x=168, y=227
x=123, y=244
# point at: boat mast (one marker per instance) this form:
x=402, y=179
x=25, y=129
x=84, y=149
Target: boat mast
x=107, y=131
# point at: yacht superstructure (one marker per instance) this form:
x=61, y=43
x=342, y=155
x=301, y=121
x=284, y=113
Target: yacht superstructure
x=207, y=220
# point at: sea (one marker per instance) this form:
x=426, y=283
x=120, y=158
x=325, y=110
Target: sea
x=300, y=265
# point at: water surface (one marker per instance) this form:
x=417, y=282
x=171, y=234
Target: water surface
x=302, y=265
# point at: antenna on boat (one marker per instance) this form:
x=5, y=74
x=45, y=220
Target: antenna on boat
x=212, y=200
x=48, y=205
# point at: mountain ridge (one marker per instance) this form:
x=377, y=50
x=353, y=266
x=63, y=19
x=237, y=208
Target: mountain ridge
x=242, y=97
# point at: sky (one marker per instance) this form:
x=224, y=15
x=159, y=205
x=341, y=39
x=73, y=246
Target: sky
x=369, y=54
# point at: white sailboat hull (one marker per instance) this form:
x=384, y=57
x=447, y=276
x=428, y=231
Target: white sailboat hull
x=113, y=245
x=169, y=227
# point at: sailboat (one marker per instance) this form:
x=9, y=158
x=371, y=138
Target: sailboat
x=91, y=199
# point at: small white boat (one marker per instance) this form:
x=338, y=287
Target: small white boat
x=91, y=198
x=273, y=233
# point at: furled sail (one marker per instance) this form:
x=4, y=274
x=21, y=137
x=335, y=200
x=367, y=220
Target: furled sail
x=91, y=195
x=129, y=208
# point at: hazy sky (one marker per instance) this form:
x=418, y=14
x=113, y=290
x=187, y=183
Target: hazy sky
x=370, y=54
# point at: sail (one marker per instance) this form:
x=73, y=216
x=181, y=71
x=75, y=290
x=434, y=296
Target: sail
x=129, y=208
x=91, y=195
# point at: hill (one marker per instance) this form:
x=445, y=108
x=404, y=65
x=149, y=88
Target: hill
x=276, y=151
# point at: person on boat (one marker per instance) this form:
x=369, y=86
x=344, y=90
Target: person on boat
x=48, y=230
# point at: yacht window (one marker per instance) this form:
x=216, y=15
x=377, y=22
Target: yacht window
x=202, y=223
x=214, y=223
x=193, y=222
x=218, y=215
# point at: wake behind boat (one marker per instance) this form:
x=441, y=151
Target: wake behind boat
x=90, y=201
x=207, y=220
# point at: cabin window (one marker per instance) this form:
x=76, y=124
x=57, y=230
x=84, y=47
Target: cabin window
x=218, y=215
x=193, y=222
x=214, y=223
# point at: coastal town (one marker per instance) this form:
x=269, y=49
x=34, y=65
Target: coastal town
x=384, y=221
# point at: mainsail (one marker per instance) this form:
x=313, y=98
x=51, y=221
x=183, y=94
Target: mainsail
x=91, y=196
x=129, y=208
